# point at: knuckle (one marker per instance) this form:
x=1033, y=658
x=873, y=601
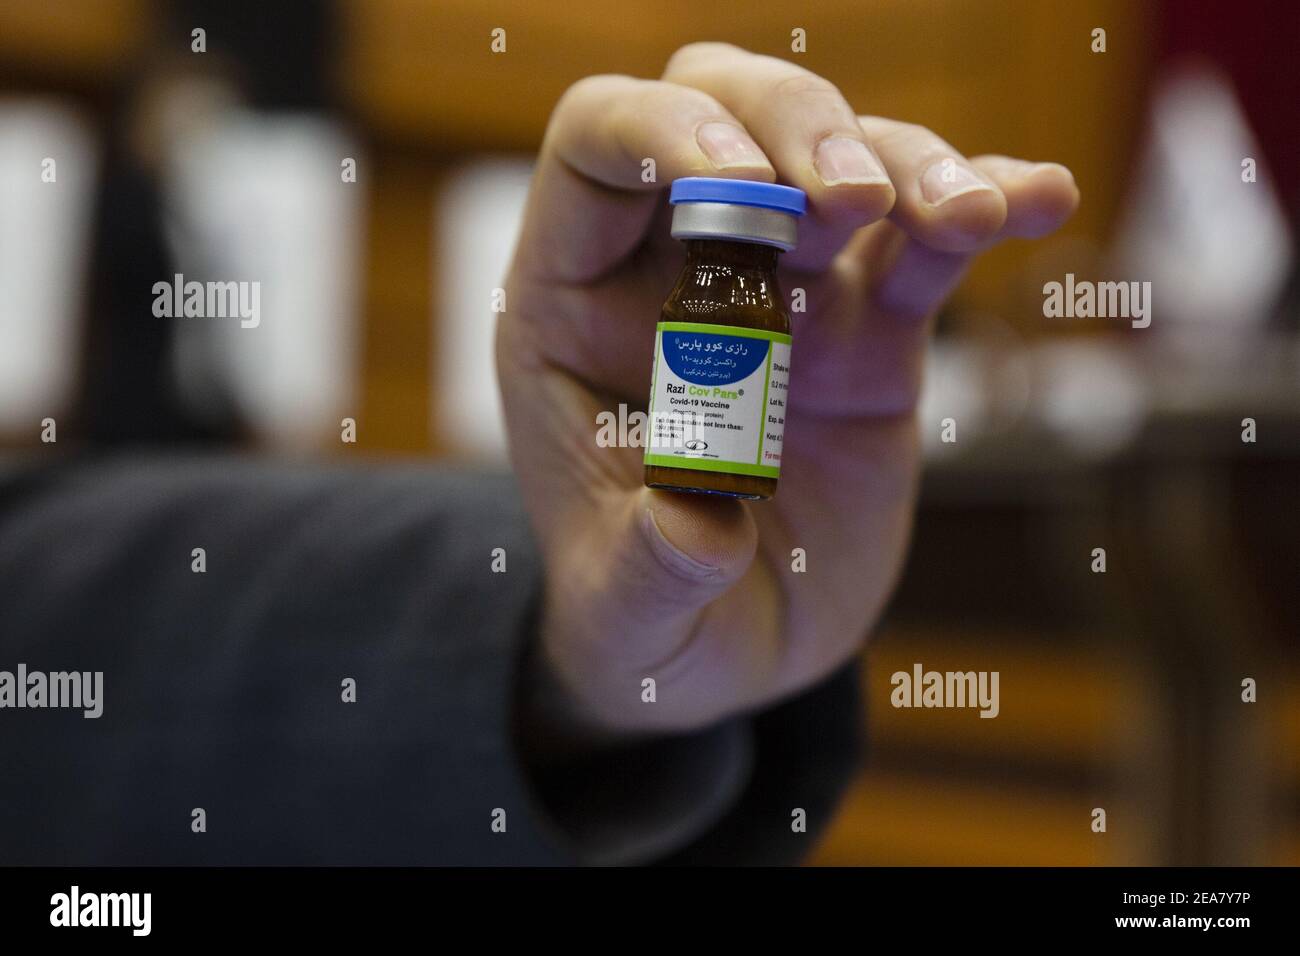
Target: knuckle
x=597, y=100
x=804, y=84
x=908, y=134
x=588, y=88
x=667, y=99
x=683, y=57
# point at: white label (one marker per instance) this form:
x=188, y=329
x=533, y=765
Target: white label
x=718, y=398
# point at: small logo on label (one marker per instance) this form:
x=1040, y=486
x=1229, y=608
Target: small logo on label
x=696, y=444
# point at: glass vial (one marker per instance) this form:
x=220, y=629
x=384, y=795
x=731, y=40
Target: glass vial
x=721, y=370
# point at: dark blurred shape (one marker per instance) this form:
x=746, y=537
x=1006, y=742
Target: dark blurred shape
x=128, y=395
x=1256, y=46
x=283, y=52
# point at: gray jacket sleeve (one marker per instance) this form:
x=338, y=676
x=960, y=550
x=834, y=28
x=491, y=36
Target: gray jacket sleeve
x=223, y=689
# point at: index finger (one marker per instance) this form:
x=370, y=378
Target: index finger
x=810, y=132
x=592, y=200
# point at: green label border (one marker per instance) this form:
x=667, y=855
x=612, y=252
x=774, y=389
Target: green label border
x=713, y=464
x=726, y=330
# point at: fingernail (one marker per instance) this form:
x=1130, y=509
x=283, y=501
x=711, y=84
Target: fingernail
x=727, y=145
x=948, y=179
x=841, y=160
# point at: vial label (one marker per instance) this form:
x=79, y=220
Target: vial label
x=718, y=398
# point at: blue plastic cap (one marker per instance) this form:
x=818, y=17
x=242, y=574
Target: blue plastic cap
x=739, y=192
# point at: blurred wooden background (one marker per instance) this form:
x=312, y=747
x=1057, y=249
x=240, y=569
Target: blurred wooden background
x=1093, y=715
x=420, y=82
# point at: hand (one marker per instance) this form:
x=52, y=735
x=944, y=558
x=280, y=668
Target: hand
x=694, y=591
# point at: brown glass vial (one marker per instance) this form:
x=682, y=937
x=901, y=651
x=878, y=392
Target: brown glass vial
x=722, y=348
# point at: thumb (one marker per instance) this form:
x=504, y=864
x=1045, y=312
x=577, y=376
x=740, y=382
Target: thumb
x=699, y=545
x=669, y=555
x=661, y=558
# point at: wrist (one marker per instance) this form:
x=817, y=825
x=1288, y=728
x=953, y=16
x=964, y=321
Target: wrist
x=551, y=725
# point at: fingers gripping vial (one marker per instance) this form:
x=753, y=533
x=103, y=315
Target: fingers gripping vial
x=721, y=372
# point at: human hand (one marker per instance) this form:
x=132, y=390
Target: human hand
x=695, y=591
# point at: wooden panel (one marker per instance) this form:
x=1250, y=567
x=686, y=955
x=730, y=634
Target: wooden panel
x=900, y=820
x=72, y=36
x=1014, y=76
x=1286, y=776
x=427, y=71
x=1055, y=704
x=943, y=786
x=397, y=296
